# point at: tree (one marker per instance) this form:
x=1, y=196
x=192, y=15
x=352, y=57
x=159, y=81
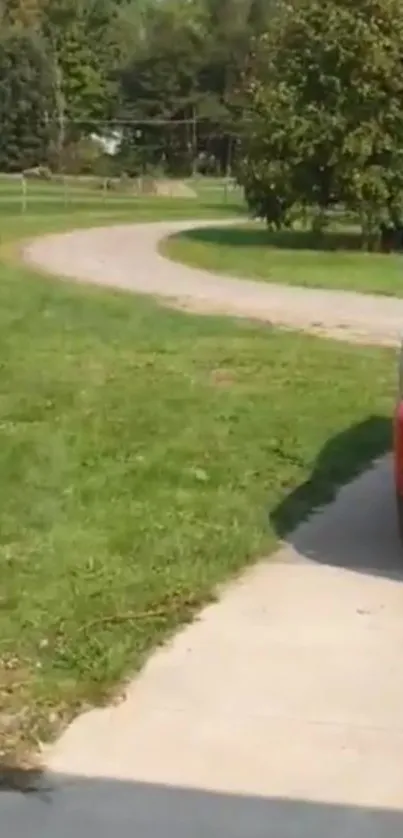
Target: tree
x=160, y=89
x=185, y=63
x=83, y=54
x=230, y=28
x=26, y=102
x=324, y=91
x=78, y=44
x=135, y=62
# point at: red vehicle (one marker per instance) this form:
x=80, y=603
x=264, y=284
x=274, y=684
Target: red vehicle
x=398, y=450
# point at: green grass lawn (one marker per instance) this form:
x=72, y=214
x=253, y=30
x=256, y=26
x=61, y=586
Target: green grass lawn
x=291, y=258
x=214, y=197
x=144, y=457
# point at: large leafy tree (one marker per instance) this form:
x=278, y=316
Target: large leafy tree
x=83, y=52
x=160, y=87
x=173, y=63
x=185, y=64
x=325, y=117
x=79, y=40
x=26, y=101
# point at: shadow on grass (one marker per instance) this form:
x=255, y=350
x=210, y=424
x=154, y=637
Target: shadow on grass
x=244, y=237
x=90, y=807
x=359, y=532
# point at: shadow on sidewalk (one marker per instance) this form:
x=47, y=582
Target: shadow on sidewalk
x=359, y=532
x=82, y=807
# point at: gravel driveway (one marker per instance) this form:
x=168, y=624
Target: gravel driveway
x=127, y=257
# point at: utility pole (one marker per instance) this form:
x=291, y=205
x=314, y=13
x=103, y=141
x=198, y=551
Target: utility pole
x=60, y=100
x=194, y=142
x=60, y=112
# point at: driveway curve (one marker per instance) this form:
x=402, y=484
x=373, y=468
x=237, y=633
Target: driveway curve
x=279, y=713
x=127, y=257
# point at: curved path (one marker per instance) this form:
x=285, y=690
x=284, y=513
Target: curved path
x=127, y=257
x=279, y=713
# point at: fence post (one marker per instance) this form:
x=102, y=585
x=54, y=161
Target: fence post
x=65, y=192
x=24, y=195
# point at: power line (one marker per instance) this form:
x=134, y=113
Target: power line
x=146, y=122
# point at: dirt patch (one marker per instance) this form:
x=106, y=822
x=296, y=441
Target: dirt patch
x=222, y=378
x=149, y=186
x=173, y=189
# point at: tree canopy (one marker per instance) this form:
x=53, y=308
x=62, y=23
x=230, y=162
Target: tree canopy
x=26, y=101
x=303, y=98
x=324, y=91
x=129, y=63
